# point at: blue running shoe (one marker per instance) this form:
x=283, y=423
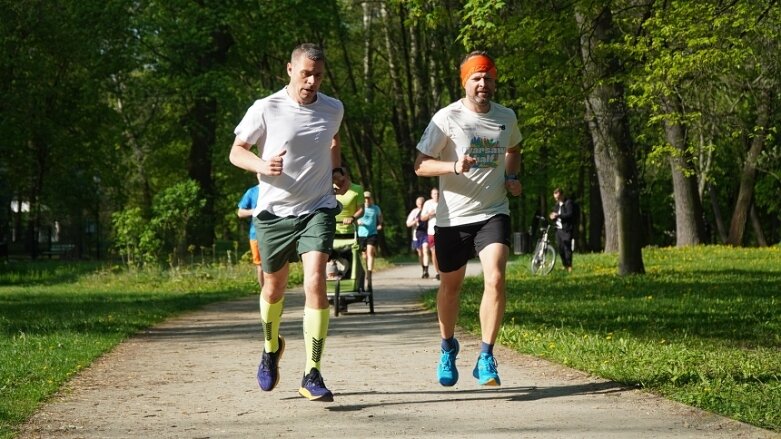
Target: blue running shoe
x=268, y=370
x=446, y=371
x=313, y=388
x=485, y=371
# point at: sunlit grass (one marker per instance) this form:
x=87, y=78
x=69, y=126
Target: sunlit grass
x=703, y=326
x=55, y=319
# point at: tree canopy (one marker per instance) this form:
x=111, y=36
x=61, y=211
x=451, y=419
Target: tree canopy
x=659, y=117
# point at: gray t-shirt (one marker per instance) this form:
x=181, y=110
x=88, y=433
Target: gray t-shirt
x=276, y=123
x=455, y=131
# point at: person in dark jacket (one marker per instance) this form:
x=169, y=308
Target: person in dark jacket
x=564, y=216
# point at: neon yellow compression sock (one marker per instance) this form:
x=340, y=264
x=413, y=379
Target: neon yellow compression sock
x=315, y=331
x=270, y=317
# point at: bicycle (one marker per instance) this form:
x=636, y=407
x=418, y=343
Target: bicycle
x=544, y=257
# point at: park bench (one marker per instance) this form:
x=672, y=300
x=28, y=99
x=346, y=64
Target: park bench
x=59, y=251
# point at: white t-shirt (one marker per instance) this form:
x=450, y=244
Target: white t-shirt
x=455, y=131
x=430, y=206
x=412, y=221
x=276, y=123
x=411, y=217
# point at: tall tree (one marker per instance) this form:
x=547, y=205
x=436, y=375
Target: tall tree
x=762, y=86
x=55, y=123
x=201, y=124
x=689, y=225
x=104, y=107
x=402, y=116
x=609, y=127
x=677, y=53
x=748, y=175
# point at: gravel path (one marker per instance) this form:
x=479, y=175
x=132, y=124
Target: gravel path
x=194, y=377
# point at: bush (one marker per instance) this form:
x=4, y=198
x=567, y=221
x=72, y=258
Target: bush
x=143, y=241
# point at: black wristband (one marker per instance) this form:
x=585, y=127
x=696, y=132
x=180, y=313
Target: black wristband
x=454, y=167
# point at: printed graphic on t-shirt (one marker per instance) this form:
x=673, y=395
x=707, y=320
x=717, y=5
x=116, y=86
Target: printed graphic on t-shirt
x=485, y=151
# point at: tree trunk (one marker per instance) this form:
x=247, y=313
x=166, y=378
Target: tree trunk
x=604, y=165
x=199, y=168
x=689, y=225
x=201, y=125
x=596, y=221
x=355, y=136
x=41, y=154
x=721, y=228
x=756, y=224
x=609, y=126
x=400, y=116
x=367, y=131
x=584, y=178
x=748, y=177
x=139, y=159
x=544, y=193
x=421, y=112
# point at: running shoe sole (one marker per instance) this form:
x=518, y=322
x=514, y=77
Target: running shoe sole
x=315, y=380
x=327, y=397
x=492, y=381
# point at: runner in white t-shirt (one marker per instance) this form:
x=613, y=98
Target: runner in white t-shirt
x=472, y=145
x=429, y=214
x=419, y=235
x=296, y=131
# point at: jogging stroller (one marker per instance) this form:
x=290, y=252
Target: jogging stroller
x=345, y=277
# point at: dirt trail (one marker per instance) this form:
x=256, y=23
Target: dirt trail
x=194, y=377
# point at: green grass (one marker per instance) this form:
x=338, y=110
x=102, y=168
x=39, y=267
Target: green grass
x=703, y=326
x=56, y=318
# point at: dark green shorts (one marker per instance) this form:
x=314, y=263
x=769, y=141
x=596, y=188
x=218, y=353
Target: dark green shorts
x=285, y=239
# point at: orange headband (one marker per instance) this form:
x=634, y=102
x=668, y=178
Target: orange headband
x=477, y=63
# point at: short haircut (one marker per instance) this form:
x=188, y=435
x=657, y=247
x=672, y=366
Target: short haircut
x=341, y=170
x=476, y=53
x=310, y=50
x=558, y=190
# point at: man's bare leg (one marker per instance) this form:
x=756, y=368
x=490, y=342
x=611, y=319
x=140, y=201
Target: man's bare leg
x=447, y=313
x=493, y=258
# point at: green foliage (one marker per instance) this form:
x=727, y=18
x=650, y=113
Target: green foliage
x=143, y=241
x=677, y=54
x=479, y=21
x=702, y=326
x=56, y=125
x=129, y=230
x=96, y=114
x=176, y=205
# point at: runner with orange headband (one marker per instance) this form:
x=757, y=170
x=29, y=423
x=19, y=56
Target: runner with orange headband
x=472, y=146
x=477, y=64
